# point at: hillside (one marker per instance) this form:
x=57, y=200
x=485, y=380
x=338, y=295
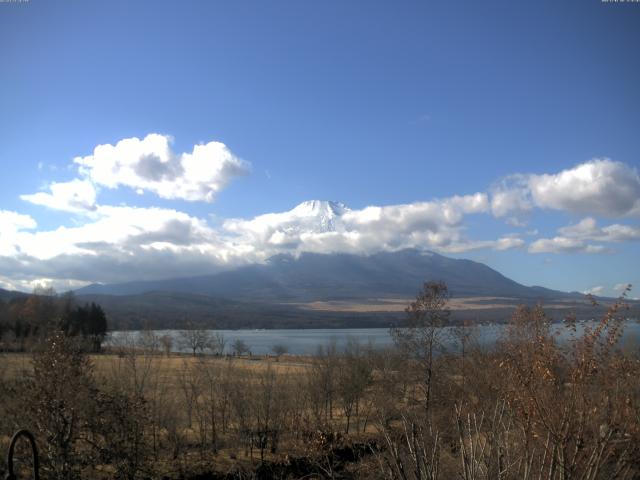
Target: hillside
x=324, y=291
x=318, y=277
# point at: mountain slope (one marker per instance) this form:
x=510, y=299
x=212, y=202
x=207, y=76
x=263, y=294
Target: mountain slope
x=8, y=295
x=312, y=277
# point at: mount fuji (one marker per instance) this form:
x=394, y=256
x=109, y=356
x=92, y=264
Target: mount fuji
x=313, y=289
x=321, y=214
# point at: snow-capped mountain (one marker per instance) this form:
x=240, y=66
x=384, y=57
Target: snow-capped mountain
x=321, y=213
x=330, y=227
x=288, y=228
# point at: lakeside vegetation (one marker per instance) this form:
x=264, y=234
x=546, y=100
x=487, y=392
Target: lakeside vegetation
x=26, y=320
x=527, y=408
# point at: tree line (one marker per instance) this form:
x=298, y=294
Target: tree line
x=26, y=320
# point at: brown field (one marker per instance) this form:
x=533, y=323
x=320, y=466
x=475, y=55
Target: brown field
x=16, y=365
x=400, y=304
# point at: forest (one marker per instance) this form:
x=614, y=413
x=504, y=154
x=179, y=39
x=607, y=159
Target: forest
x=26, y=320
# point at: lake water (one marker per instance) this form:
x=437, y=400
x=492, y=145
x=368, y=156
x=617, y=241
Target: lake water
x=307, y=341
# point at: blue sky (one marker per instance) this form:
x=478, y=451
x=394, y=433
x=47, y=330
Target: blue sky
x=396, y=106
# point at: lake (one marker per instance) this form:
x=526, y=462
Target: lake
x=307, y=341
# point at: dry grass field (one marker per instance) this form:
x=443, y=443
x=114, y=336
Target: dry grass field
x=164, y=373
x=460, y=304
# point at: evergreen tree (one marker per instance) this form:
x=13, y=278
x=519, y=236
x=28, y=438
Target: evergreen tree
x=97, y=326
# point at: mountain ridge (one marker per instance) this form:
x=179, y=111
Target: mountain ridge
x=314, y=276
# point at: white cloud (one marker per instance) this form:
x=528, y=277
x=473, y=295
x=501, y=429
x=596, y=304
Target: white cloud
x=501, y=244
x=576, y=238
x=598, y=290
x=76, y=196
x=564, y=245
x=587, y=229
x=151, y=165
x=326, y=227
x=118, y=244
x=597, y=187
x=30, y=284
x=420, y=216
x=583, y=229
x=600, y=186
x=508, y=243
x=511, y=198
x=123, y=243
x=122, y=229
x=11, y=224
x=620, y=233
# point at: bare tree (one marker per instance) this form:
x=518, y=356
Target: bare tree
x=189, y=383
x=354, y=376
x=213, y=392
x=148, y=341
x=195, y=339
x=466, y=336
x=167, y=343
x=571, y=402
x=118, y=432
x=322, y=381
x=269, y=410
x=60, y=395
x=420, y=338
x=217, y=344
x=279, y=349
x=240, y=347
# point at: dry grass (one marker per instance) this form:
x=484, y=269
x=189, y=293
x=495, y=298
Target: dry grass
x=16, y=365
x=400, y=304
x=163, y=374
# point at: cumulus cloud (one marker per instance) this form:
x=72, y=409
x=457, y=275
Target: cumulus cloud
x=151, y=165
x=600, y=186
x=118, y=244
x=597, y=187
x=564, y=245
x=419, y=216
x=327, y=227
x=587, y=229
x=511, y=198
x=11, y=224
x=501, y=244
x=121, y=229
x=576, y=238
x=77, y=196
